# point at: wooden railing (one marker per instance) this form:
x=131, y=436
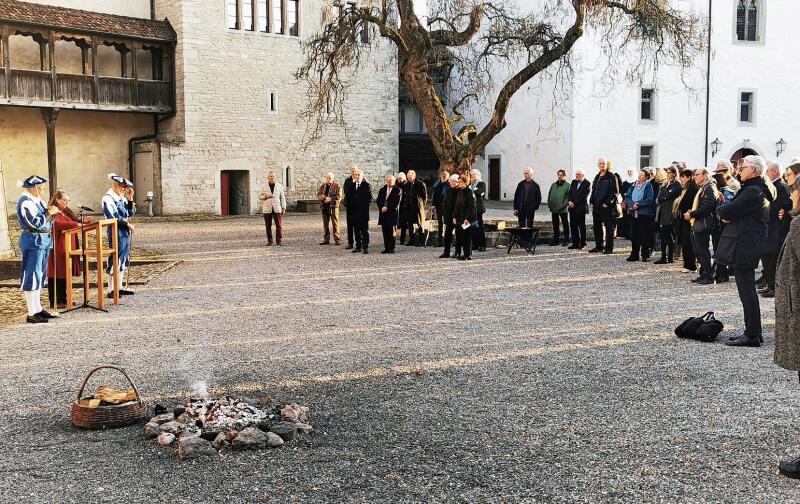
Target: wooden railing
x=31, y=85
x=155, y=94
x=107, y=93
x=74, y=88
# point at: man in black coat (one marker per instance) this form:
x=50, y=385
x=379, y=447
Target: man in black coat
x=670, y=191
x=778, y=212
x=415, y=208
x=447, y=215
x=703, y=217
x=347, y=190
x=745, y=240
x=527, y=199
x=389, y=200
x=684, y=234
x=604, y=201
x=578, y=208
x=358, y=211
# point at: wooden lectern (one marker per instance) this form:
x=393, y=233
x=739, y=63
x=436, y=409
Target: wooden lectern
x=99, y=251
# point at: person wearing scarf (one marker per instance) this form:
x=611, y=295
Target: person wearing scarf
x=639, y=204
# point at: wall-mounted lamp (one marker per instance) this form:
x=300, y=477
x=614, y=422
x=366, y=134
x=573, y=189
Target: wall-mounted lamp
x=716, y=145
x=780, y=146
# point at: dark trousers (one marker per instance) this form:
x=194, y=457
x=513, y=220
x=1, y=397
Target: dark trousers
x=746, y=285
x=360, y=233
x=440, y=222
x=57, y=285
x=721, y=271
x=478, y=233
x=351, y=232
x=389, y=241
x=525, y=218
x=603, y=220
x=448, y=237
x=577, y=225
x=562, y=217
x=702, y=253
x=667, y=235
x=463, y=241
x=641, y=231
x=770, y=265
x=687, y=249
x=278, y=218
x=624, y=226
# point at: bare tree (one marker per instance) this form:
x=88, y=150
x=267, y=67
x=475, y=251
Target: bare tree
x=477, y=37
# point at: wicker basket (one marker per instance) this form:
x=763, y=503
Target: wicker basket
x=105, y=417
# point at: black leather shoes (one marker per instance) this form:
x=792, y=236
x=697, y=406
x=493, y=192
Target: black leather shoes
x=790, y=468
x=744, y=341
x=704, y=281
x=632, y=258
x=355, y=250
x=45, y=315
x=126, y=292
x=595, y=250
x=35, y=320
x=662, y=260
x=607, y=252
x=445, y=255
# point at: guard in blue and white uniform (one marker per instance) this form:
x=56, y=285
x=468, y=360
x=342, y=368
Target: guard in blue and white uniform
x=118, y=204
x=35, y=242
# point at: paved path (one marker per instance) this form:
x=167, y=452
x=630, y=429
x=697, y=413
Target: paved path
x=552, y=378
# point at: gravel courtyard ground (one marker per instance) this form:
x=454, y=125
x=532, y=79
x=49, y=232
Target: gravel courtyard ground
x=547, y=378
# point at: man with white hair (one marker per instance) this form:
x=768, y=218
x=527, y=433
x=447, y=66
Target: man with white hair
x=778, y=227
x=329, y=195
x=415, y=208
x=578, y=208
x=347, y=196
x=744, y=241
x=527, y=198
x=389, y=199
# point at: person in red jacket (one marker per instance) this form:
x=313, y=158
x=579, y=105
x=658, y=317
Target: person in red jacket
x=64, y=220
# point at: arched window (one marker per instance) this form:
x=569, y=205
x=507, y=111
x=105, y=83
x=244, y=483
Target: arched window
x=747, y=22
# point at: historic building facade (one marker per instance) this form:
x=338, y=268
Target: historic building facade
x=193, y=99
x=750, y=106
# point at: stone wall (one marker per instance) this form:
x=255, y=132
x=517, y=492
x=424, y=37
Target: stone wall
x=224, y=121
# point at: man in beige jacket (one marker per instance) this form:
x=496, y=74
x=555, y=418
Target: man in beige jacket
x=273, y=206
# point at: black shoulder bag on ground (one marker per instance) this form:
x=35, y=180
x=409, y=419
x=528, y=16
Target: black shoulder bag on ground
x=705, y=328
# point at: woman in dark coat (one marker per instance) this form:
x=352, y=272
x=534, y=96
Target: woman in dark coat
x=684, y=229
x=670, y=191
x=57, y=262
x=787, y=312
x=464, y=214
x=439, y=190
x=478, y=187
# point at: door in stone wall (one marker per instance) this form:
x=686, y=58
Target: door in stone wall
x=234, y=192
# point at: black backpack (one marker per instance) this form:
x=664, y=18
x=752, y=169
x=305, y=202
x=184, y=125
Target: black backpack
x=705, y=328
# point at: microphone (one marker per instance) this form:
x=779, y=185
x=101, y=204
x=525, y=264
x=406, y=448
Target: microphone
x=85, y=209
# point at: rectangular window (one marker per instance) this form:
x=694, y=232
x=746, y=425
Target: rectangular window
x=411, y=121
x=277, y=16
x=746, y=103
x=646, y=156
x=273, y=106
x=263, y=16
x=232, y=14
x=293, y=17
x=647, y=105
x=247, y=15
